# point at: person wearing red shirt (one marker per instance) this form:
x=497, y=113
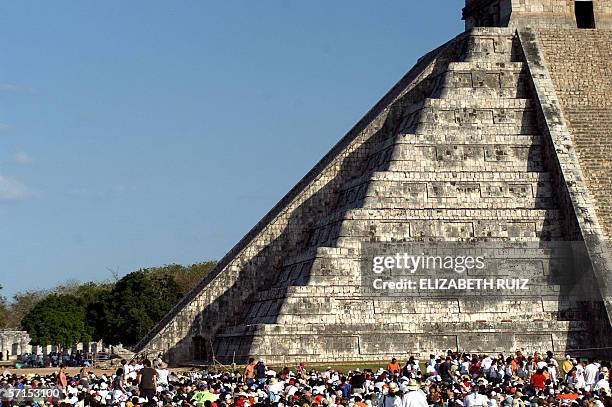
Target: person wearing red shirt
x=538, y=380
x=393, y=367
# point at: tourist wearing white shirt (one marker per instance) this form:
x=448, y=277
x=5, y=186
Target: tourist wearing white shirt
x=413, y=396
x=162, y=376
x=475, y=399
x=602, y=384
x=590, y=374
x=580, y=382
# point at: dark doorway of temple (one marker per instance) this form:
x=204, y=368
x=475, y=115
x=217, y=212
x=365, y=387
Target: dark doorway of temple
x=584, y=14
x=199, y=348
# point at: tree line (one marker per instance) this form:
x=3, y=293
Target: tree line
x=117, y=312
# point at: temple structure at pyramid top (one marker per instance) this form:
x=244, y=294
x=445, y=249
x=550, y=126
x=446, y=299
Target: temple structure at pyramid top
x=499, y=140
x=538, y=13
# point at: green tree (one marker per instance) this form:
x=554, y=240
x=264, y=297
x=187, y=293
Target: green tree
x=186, y=277
x=4, y=312
x=59, y=319
x=22, y=303
x=120, y=312
x=128, y=311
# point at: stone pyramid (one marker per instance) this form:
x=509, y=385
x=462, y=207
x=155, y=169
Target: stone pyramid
x=471, y=145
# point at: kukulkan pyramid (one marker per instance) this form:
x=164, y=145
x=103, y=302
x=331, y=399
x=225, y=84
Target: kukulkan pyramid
x=501, y=135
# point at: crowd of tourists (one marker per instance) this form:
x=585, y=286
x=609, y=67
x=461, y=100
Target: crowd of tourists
x=53, y=359
x=449, y=380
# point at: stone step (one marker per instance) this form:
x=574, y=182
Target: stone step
x=434, y=214
x=528, y=127
x=508, y=32
x=319, y=278
x=519, y=325
x=473, y=201
x=401, y=303
x=470, y=111
x=536, y=166
x=478, y=153
x=467, y=93
x=447, y=114
x=439, y=174
x=356, y=317
x=494, y=103
x=484, y=81
x=434, y=189
x=491, y=47
x=352, y=232
x=470, y=190
x=333, y=252
x=416, y=186
x=450, y=214
x=470, y=164
x=437, y=104
x=468, y=138
x=447, y=214
x=406, y=157
x=441, y=188
x=509, y=255
x=340, y=290
x=474, y=195
x=542, y=227
x=487, y=66
x=387, y=215
x=389, y=303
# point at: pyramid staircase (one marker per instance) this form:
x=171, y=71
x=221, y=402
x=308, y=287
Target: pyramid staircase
x=453, y=153
x=464, y=162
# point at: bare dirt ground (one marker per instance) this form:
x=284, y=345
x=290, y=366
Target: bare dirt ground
x=44, y=371
x=71, y=371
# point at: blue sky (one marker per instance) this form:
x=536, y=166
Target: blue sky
x=143, y=133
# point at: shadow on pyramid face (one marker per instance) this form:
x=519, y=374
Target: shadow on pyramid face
x=258, y=295
x=454, y=152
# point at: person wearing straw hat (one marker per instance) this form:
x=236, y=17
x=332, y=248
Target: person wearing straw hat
x=390, y=396
x=413, y=396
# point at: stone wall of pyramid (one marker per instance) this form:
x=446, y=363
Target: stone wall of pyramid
x=458, y=150
x=580, y=64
